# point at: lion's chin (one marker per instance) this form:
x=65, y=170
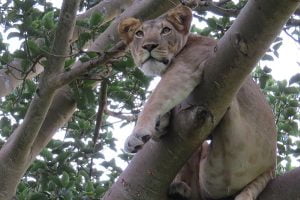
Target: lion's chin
x=153, y=68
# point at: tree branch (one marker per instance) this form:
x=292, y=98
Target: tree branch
x=101, y=107
x=80, y=68
x=234, y=57
x=283, y=187
x=293, y=22
x=16, y=151
x=217, y=8
x=13, y=75
x=129, y=118
x=11, y=78
x=108, y=9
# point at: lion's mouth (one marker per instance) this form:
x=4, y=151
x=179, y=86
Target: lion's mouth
x=165, y=61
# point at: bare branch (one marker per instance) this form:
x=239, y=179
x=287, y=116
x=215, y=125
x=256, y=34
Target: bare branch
x=129, y=118
x=80, y=68
x=216, y=9
x=293, y=22
x=101, y=107
x=291, y=36
x=222, y=2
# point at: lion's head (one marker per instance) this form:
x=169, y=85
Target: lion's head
x=155, y=43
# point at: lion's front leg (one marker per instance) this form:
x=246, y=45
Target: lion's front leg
x=175, y=85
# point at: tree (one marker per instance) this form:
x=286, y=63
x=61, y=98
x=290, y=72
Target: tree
x=76, y=58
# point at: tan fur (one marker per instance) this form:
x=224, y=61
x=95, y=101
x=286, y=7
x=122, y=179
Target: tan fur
x=243, y=148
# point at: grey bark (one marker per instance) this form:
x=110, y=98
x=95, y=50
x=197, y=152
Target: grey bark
x=16, y=150
x=235, y=56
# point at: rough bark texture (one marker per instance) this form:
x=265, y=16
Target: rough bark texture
x=16, y=151
x=62, y=108
x=285, y=187
x=235, y=56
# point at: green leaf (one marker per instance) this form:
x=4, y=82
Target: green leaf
x=47, y=154
x=20, y=54
x=295, y=79
x=51, y=186
x=48, y=20
x=83, y=38
x=6, y=58
x=96, y=19
x=84, y=174
x=290, y=112
x=65, y=179
x=100, y=191
x=277, y=45
x=69, y=63
x=212, y=22
x=68, y=195
x=91, y=54
x=291, y=90
x=294, y=103
x=267, y=57
x=38, y=196
x=267, y=69
x=33, y=47
x=89, y=188
x=13, y=34
x=38, y=164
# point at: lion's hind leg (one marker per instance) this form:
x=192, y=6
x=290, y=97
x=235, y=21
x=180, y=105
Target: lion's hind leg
x=253, y=189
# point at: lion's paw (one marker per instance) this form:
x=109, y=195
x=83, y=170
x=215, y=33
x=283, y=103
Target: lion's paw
x=136, y=141
x=161, y=126
x=179, y=191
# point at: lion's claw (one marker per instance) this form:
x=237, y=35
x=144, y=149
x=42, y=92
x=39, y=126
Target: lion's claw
x=136, y=141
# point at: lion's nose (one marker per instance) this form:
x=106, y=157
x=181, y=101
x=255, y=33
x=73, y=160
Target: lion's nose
x=149, y=47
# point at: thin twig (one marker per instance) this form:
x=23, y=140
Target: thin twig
x=81, y=68
x=101, y=108
x=121, y=116
x=99, y=119
x=217, y=9
x=222, y=2
x=291, y=36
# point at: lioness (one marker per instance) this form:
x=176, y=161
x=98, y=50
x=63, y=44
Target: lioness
x=242, y=153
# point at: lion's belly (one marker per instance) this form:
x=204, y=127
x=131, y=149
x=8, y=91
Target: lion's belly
x=238, y=156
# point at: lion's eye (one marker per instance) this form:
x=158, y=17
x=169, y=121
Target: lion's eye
x=139, y=34
x=165, y=30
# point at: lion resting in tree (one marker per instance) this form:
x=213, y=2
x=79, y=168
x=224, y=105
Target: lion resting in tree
x=241, y=157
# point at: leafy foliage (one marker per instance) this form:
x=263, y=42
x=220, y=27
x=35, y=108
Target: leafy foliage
x=284, y=99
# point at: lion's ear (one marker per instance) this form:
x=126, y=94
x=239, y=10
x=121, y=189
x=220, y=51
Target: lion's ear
x=181, y=18
x=127, y=28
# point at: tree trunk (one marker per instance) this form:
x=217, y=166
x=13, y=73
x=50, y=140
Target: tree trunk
x=16, y=151
x=153, y=168
x=284, y=187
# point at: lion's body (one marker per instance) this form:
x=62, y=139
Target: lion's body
x=243, y=147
